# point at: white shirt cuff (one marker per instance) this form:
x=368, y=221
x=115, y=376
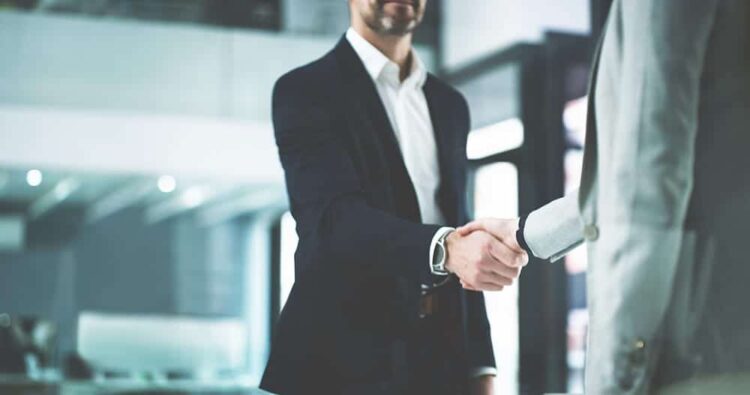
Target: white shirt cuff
x=440, y=233
x=482, y=371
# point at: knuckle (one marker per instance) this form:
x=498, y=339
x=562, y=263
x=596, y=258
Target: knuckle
x=520, y=259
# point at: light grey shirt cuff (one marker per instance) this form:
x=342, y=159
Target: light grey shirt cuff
x=433, y=245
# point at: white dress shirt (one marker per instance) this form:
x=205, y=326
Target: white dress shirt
x=407, y=110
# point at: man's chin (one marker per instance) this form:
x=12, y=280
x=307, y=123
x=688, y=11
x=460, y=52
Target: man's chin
x=399, y=30
x=399, y=26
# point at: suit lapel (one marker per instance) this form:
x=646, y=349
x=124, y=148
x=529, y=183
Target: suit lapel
x=363, y=96
x=442, y=124
x=588, y=175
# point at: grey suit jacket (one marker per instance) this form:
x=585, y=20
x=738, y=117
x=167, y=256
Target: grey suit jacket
x=664, y=202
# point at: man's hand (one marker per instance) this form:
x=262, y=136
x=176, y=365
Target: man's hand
x=482, y=385
x=503, y=230
x=482, y=262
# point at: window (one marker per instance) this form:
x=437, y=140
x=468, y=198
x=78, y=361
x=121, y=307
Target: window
x=288, y=246
x=496, y=195
x=499, y=137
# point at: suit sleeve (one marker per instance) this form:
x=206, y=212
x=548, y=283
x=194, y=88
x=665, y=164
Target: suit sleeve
x=644, y=185
x=326, y=195
x=555, y=229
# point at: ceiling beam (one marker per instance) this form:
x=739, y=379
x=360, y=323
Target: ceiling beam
x=59, y=193
x=124, y=197
x=264, y=198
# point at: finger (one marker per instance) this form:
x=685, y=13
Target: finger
x=496, y=278
x=515, y=258
x=491, y=277
x=489, y=286
x=472, y=226
x=505, y=275
x=525, y=258
x=463, y=231
x=506, y=255
x=511, y=241
x=468, y=287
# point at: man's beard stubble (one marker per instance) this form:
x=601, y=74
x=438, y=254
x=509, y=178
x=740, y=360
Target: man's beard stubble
x=381, y=23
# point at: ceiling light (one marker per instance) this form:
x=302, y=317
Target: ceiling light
x=34, y=177
x=167, y=184
x=65, y=188
x=194, y=197
x=494, y=139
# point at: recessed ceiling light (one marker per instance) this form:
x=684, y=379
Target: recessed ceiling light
x=167, y=184
x=65, y=188
x=194, y=197
x=34, y=177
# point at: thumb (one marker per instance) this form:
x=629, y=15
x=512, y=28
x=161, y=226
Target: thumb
x=463, y=231
x=472, y=226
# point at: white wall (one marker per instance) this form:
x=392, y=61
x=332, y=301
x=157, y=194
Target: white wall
x=80, y=62
x=118, y=95
x=472, y=29
x=317, y=16
x=127, y=142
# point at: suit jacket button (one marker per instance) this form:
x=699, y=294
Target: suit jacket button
x=638, y=353
x=591, y=232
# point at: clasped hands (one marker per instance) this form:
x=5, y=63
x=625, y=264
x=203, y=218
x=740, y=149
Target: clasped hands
x=485, y=254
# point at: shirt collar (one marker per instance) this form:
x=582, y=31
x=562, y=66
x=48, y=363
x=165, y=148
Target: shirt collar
x=379, y=66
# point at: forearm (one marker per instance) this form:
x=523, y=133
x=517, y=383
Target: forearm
x=553, y=230
x=352, y=230
x=327, y=194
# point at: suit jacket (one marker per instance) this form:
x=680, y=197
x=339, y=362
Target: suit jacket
x=363, y=252
x=664, y=201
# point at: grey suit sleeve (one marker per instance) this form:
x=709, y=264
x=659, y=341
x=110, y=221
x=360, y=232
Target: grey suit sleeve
x=644, y=182
x=554, y=229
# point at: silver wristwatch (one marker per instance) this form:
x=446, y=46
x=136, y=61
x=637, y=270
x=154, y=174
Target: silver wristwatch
x=440, y=255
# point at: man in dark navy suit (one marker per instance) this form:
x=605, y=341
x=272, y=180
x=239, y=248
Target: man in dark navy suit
x=373, y=149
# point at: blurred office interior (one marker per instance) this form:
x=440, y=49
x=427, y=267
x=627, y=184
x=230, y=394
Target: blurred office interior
x=145, y=240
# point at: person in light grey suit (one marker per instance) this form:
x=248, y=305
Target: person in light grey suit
x=664, y=202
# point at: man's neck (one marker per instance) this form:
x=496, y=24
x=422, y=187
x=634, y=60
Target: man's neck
x=395, y=48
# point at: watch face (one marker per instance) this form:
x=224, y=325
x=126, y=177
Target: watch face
x=439, y=257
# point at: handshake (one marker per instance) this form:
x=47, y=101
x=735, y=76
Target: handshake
x=485, y=255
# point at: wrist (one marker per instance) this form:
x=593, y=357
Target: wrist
x=439, y=251
x=520, y=238
x=450, y=243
